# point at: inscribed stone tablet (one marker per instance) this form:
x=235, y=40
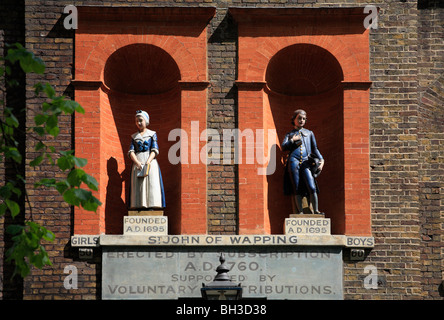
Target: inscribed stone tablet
x=265, y=272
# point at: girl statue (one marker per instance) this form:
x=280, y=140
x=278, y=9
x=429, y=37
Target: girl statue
x=299, y=180
x=146, y=179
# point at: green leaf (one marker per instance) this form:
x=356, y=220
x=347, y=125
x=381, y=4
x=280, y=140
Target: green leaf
x=52, y=121
x=48, y=235
x=49, y=90
x=68, y=106
x=70, y=197
x=67, y=152
x=54, y=131
x=14, y=229
x=75, y=177
x=30, y=63
x=68, y=161
x=49, y=157
x=91, y=182
x=27, y=249
x=36, y=161
x=12, y=121
x=92, y=204
x=39, y=130
x=6, y=191
x=81, y=197
x=17, y=191
x=62, y=186
x=40, y=145
x=40, y=119
x=27, y=60
x=13, y=207
x=3, y=208
x=45, y=182
x=64, y=163
x=80, y=109
x=82, y=194
x=46, y=106
x=38, y=87
x=80, y=162
x=13, y=154
x=52, y=125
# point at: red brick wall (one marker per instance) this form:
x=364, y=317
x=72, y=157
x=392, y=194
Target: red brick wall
x=405, y=100
x=87, y=145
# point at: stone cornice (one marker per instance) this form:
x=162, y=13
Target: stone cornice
x=149, y=14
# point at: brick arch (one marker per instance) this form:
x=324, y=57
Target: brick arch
x=190, y=66
x=303, y=69
x=353, y=62
x=141, y=69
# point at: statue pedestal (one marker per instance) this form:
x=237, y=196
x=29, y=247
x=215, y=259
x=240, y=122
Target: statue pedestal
x=136, y=212
x=307, y=216
x=145, y=222
x=307, y=224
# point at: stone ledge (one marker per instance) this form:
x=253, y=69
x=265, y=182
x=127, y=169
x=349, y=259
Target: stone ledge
x=222, y=240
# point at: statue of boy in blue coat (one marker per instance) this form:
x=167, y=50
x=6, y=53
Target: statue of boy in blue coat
x=304, y=163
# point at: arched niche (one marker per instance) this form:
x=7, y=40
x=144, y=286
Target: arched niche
x=128, y=59
x=318, y=59
x=306, y=76
x=141, y=68
x=138, y=77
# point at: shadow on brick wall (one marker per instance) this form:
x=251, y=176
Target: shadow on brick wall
x=12, y=24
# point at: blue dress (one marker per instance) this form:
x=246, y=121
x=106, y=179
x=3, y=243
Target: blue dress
x=146, y=192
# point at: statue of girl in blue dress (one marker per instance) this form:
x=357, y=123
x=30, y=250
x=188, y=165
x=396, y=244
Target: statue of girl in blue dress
x=304, y=163
x=146, y=190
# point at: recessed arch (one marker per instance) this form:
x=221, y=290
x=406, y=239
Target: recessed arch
x=90, y=63
x=271, y=88
x=254, y=59
x=307, y=76
x=141, y=69
x=128, y=59
x=303, y=69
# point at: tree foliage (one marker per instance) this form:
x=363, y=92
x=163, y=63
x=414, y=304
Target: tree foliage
x=27, y=249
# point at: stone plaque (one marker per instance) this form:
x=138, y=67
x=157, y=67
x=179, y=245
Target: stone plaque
x=145, y=225
x=307, y=226
x=85, y=240
x=222, y=240
x=283, y=272
x=360, y=242
x=357, y=254
x=85, y=253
